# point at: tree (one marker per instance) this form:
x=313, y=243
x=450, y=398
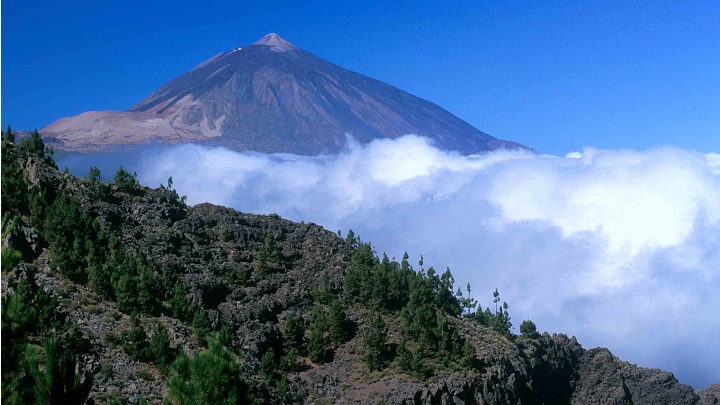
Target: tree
x=226, y=335
x=293, y=342
x=293, y=333
x=18, y=314
x=469, y=359
x=269, y=253
x=14, y=186
x=500, y=320
x=147, y=288
x=375, y=342
x=317, y=346
x=135, y=341
x=159, y=348
x=97, y=188
x=178, y=302
x=267, y=364
x=94, y=175
x=338, y=325
x=528, y=328
x=209, y=378
x=8, y=135
x=34, y=145
x=10, y=258
x=200, y=325
x=58, y=382
x=467, y=303
x=444, y=298
x=317, y=341
x=124, y=180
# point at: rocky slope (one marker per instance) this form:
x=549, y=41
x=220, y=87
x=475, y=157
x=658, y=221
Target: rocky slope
x=213, y=252
x=270, y=96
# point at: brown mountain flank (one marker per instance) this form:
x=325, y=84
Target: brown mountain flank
x=270, y=96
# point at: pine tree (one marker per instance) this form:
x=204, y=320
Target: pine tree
x=147, y=288
x=226, y=335
x=317, y=347
x=338, y=325
x=528, y=328
x=268, y=254
x=34, y=145
x=200, y=325
x=469, y=358
x=267, y=364
x=178, y=302
x=8, y=135
x=135, y=340
x=160, y=346
x=124, y=180
x=293, y=332
x=317, y=341
x=209, y=378
x=375, y=342
x=58, y=382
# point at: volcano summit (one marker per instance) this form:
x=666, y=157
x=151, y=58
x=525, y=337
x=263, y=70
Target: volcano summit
x=270, y=96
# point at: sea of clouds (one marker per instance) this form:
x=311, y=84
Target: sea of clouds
x=619, y=248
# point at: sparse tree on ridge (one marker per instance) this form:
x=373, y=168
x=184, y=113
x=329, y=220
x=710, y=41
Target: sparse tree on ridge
x=528, y=328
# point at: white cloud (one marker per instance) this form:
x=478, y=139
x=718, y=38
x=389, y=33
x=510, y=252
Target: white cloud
x=620, y=248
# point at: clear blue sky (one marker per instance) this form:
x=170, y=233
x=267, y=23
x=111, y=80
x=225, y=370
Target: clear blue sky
x=556, y=76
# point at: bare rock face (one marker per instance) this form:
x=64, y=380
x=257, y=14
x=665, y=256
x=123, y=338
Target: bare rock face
x=710, y=395
x=270, y=96
x=605, y=379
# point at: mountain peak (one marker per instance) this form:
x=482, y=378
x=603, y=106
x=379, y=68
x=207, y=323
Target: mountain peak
x=276, y=43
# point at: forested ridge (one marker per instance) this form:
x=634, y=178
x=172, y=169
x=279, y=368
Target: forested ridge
x=118, y=293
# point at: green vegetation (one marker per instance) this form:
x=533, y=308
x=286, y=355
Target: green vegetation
x=135, y=341
x=339, y=326
x=57, y=382
x=200, y=325
x=269, y=256
x=528, y=328
x=29, y=311
x=293, y=333
x=8, y=136
x=155, y=349
x=178, y=303
x=318, y=341
x=97, y=188
x=125, y=181
x=375, y=342
x=425, y=304
x=34, y=145
x=498, y=321
x=208, y=378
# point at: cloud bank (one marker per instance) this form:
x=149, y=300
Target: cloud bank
x=620, y=248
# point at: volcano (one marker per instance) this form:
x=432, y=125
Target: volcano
x=270, y=96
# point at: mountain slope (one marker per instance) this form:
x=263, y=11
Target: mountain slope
x=192, y=270
x=270, y=96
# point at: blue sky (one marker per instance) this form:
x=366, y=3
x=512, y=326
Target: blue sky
x=557, y=76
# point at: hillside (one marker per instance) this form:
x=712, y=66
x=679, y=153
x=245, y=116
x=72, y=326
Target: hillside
x=150, y=297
